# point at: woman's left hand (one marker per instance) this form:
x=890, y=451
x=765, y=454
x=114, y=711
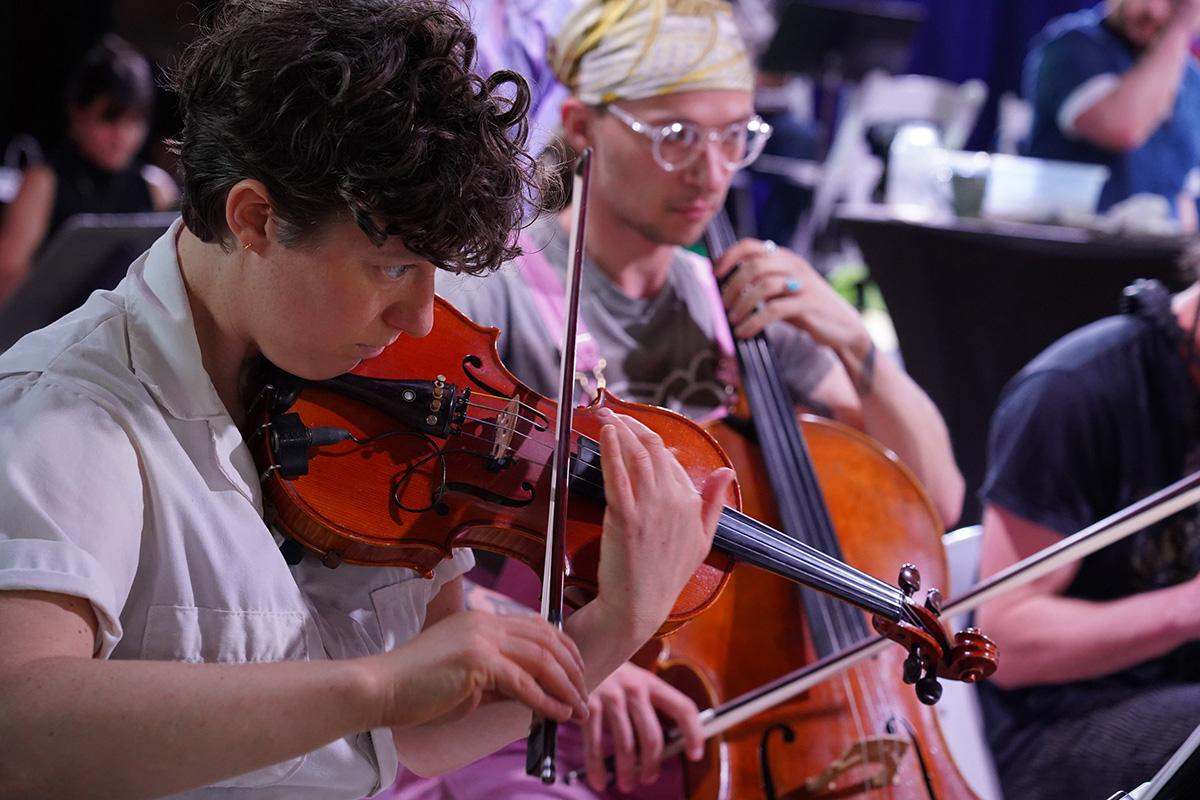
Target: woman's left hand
x=772, y=283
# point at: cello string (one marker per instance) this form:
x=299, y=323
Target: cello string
x=786, y=422
x=821, y=524
x=847, y=624
x=808, y=505
x=757, y=370
x=793, y=449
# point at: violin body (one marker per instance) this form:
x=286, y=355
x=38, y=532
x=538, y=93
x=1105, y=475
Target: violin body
x=814, y=746
x=485, y=487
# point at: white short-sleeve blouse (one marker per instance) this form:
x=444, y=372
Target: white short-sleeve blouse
x=123, y=480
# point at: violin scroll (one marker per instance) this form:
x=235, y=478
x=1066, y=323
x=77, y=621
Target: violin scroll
x=969, y=657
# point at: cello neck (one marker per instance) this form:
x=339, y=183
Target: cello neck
x=800, y=503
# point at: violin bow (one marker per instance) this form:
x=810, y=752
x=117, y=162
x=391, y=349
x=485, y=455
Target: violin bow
x=543, y=734
x=1151, y=509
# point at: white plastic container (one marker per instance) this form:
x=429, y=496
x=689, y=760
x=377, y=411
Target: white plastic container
x=1039, y=190
x=916, y=161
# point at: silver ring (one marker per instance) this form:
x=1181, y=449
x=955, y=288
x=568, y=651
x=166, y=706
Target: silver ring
x=769, y=247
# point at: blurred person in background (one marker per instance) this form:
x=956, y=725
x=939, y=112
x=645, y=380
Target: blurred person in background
x=1118, y=85
x=515, y=35
x=1100, y=681
x=109, y=101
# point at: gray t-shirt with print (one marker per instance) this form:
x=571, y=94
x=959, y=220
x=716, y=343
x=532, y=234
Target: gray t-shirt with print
x=661, y=351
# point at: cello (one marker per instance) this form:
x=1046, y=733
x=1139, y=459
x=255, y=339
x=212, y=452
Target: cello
x=861, y=734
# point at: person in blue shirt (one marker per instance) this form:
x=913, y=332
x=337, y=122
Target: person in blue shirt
x=1117, y=85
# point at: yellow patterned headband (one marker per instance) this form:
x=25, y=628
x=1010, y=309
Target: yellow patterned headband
x=612, y=50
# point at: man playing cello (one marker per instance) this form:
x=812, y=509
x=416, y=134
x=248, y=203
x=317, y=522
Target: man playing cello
x=663, y=93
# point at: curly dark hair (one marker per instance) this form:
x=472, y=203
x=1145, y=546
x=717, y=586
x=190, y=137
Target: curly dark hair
x=357, y=109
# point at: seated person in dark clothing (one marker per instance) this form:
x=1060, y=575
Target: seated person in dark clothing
x=109, y=100
x=1100, y=681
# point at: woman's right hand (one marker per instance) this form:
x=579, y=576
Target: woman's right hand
x=473, y=657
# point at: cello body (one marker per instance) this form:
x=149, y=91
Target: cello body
x=864, y=735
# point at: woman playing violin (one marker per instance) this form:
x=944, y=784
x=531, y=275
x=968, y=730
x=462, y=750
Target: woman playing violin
x=155, y=640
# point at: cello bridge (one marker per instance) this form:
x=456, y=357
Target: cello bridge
x=884, y=751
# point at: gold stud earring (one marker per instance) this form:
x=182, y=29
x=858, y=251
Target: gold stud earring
x=245, y=245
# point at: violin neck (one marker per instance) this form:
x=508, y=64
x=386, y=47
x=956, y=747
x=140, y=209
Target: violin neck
x=754, y=542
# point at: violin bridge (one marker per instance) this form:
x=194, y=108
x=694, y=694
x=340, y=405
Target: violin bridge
x=506, y=426
x=884, y=751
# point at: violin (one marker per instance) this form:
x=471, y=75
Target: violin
x=434, y=446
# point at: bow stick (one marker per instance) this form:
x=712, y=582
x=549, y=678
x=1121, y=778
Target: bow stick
x=1138, y=516
x=543, y=735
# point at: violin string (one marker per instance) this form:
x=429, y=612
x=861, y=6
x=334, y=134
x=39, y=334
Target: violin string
x=542, y=427
x=814, y=562
x=770, y=542
x=520, y=403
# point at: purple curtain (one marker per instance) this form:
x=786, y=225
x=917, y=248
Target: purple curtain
x=985, y=39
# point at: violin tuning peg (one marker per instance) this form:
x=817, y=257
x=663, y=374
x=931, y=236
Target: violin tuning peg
x=909, y=579
x=933, y=601
x=929, y=690
x=912, y=668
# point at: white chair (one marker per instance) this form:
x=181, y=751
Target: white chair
x=958, y=710
x=850, y=170
x=22, y=151
x=1014, y=123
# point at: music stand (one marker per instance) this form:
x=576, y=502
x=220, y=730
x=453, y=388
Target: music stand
x=80, y=258
x=844, y=39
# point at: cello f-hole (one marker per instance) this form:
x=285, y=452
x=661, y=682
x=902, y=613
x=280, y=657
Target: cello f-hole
x=894, y=725
x=764, y=756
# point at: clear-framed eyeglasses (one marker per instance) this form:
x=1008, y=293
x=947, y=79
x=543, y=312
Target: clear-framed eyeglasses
x=675, y=145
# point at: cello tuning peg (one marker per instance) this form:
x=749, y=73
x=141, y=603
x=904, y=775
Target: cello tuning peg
x=909, y=579
x=933, y=601
x=929, y=689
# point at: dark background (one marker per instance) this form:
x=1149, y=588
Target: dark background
x=40, y=41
